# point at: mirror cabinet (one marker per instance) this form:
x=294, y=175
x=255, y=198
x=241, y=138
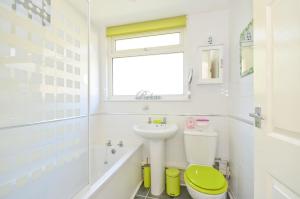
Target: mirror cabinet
x=211, y=66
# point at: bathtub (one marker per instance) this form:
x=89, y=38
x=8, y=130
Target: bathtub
x=115, y=173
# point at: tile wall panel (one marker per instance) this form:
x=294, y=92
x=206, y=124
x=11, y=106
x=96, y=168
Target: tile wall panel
x=48, y=158
x=43, y=67
x=43, y=77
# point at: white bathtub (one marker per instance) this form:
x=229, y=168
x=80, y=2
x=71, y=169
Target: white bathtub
x=114, y=176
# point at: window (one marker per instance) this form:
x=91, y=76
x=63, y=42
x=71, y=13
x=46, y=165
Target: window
x=149, y=62
x=148, y=41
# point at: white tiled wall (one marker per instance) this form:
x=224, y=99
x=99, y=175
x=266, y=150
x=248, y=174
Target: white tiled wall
x=241, y=134
x=241, y=139
x=120, y=127
x=43, y=77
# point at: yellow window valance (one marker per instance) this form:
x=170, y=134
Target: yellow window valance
x=147, y=26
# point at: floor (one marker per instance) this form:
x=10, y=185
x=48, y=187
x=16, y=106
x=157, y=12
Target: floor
x=144, y=193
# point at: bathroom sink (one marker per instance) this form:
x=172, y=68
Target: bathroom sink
x=155, y=131
x=156, y=134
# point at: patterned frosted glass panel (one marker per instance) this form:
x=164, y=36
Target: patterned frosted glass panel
x=43, y=76
x=44, y=161
x=43, y=61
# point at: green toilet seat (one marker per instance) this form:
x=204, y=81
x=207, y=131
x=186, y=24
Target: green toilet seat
x=205, y=179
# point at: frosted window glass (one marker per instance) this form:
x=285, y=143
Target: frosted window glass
x=160, y=74
x=148, y=42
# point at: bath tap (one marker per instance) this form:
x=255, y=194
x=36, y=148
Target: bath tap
x=108, y=143
x=121, y=144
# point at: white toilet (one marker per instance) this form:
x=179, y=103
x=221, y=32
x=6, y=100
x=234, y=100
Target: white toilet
x=201, y=179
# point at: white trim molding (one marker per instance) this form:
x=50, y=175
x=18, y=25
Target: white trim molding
x=113, y=53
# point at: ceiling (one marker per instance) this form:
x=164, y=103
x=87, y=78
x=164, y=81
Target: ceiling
x=115, y=12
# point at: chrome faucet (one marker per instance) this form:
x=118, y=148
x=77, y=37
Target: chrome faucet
x=108, y=143
x=121, y=144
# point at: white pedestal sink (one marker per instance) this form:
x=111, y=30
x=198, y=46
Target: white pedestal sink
x=156, y=134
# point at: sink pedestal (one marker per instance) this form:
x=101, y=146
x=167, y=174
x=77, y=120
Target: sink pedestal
x=157, y=160
x=156, y=134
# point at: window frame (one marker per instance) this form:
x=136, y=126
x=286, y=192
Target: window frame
x=112, y=53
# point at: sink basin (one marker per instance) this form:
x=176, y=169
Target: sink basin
x=155, y=131
x=156, y=134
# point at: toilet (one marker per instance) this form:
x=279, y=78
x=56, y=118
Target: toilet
x=201, y=179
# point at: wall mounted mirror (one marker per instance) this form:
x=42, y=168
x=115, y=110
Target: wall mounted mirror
x=246, y=50
x=211, y=67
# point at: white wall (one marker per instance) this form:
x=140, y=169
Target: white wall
x=206, y=99
x=241, y=135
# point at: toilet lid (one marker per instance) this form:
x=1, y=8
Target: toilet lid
x=206, y=178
